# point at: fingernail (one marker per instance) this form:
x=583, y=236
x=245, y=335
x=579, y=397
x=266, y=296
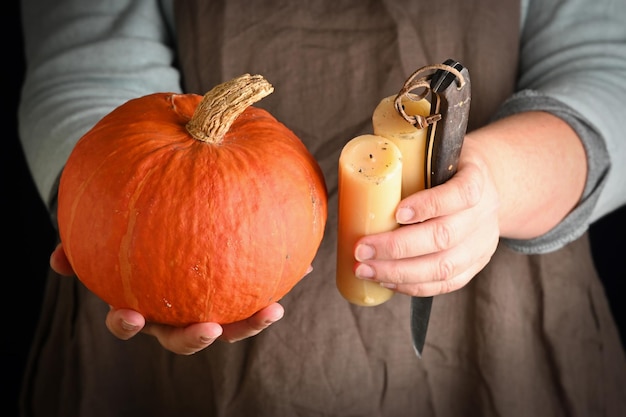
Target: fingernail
x=404, y=214
x=129, y=326
x=272, y=320
x=364, y=271
x=364, y=252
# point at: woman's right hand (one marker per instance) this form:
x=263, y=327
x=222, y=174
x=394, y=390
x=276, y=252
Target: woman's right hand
x=125, y=323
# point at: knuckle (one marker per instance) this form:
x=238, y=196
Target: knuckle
x=446, y=287
x=445, y=270
x=397, y=273
x=389, y=272
x=394, y=248
x=435, y=205
x=442, y=235
x=429, y=206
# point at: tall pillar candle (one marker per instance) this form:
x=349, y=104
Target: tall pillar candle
x=370, y=182
x=411, y=140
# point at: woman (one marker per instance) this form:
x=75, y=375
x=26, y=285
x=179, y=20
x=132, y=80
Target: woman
x=520, y=324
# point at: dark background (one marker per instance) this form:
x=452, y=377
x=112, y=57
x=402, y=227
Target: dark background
x=31, y=237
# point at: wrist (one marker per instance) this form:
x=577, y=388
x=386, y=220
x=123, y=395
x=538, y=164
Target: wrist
x=538, y=167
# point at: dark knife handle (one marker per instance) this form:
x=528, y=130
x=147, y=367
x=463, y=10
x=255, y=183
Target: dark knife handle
x=452, y=101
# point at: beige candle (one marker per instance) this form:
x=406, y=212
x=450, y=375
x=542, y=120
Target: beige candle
x=411, y=140
x=370, y=181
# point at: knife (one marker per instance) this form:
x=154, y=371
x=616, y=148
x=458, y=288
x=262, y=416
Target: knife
x=450, y=95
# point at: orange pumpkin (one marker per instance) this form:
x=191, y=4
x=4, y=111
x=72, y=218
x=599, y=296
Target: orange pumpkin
x=190, y=209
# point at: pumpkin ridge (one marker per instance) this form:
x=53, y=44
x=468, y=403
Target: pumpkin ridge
x=124, y=254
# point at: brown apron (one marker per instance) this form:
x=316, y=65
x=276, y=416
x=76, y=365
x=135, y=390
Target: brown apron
x=529, y=336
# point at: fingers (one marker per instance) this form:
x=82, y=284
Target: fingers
x=431, y=236
x=450, y=232
x=254, y=325
x=125, y=324
x=185, y=340
x=461, y=192
x=442, y=213
x=435, y=273
x=59, y=262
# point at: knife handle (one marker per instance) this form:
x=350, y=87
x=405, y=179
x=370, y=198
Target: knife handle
x=451, y=99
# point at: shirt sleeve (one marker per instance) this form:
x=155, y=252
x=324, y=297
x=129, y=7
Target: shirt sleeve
x=83, y=59
x=572, y=64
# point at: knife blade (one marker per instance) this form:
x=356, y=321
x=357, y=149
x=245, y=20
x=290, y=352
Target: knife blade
x=450, y=101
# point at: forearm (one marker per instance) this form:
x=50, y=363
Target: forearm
x=539, y=167
x=574, y=71
x=574, y=52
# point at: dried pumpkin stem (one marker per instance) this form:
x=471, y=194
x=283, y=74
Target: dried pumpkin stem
x=223, y=104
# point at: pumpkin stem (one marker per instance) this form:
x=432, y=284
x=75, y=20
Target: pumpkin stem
x=223, y=104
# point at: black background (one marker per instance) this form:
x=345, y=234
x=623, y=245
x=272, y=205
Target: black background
x=31, y=237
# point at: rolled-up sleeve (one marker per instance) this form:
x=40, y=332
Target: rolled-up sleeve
x=83, y=59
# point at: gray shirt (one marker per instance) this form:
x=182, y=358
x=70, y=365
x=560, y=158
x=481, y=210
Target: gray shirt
x=86, y=58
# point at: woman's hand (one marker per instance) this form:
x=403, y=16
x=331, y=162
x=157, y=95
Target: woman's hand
x=517, y=177
x=448, y=235
x=124, y=323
